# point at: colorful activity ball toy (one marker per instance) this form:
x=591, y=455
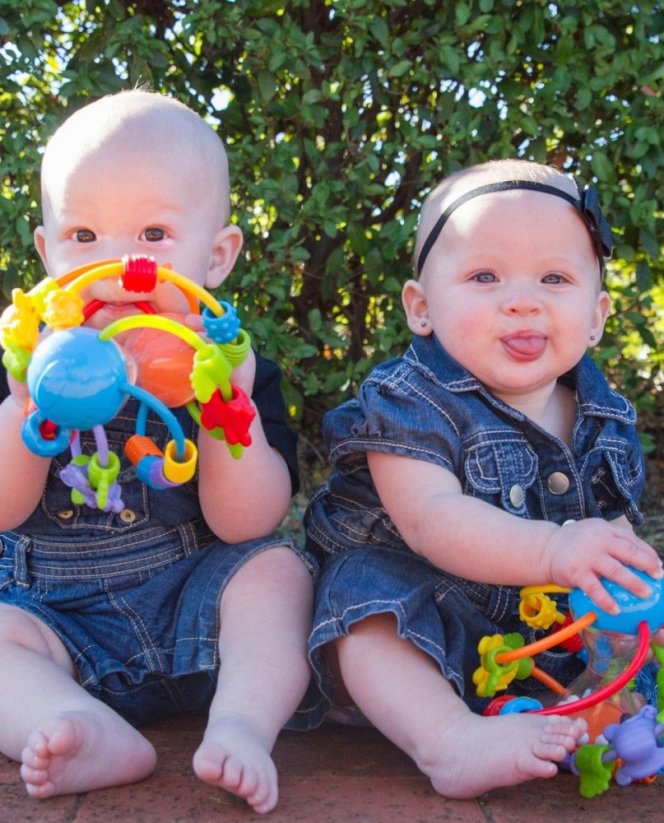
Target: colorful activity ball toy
x=79, y=378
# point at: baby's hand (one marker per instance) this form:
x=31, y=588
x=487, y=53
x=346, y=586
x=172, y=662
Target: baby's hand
x=19, y=391
x=582, y=552
x=195, y=323
x=658, y=637
x=245, y=374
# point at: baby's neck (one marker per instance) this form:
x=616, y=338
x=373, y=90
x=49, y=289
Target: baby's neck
x=554, y=410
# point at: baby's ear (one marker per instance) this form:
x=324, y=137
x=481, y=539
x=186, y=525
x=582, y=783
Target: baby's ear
x=225, y=249
x=416, y=307
x=602, y=307
x=40, y=244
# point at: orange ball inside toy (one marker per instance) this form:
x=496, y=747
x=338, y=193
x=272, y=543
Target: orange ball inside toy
x=164, y=362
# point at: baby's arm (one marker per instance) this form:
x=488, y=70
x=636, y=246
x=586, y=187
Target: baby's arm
x=245, y=498
x=22, y=473
x=473, y=539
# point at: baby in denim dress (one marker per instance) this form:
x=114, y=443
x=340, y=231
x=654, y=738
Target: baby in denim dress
x=490, y=456
x=186, y=600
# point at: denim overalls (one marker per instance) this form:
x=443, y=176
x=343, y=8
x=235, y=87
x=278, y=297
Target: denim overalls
x=425, y=405
x=134, y=596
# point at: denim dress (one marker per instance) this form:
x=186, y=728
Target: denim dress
x=134, y=595
x=426, y=406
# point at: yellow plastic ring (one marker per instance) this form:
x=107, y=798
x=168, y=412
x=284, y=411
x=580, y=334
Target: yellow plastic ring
x=152, y=321
x=180, y=471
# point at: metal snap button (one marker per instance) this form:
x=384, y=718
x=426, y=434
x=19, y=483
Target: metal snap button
x=66, y=514
x=127, y=516
x=517, y=496
x=558, y=483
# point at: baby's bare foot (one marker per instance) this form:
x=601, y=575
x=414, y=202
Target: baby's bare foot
x=234, y=757
x=79, y=751
x=488, y=752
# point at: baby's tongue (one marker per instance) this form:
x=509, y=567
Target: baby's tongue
x=526, y=345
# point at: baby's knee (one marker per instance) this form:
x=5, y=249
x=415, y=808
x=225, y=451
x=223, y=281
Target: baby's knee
x=272, y=577
x=21, y=629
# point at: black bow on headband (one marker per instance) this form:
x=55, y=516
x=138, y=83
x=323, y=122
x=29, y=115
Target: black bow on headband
x=591, y=214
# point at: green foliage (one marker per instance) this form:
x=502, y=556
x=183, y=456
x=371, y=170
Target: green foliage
x=339, y=117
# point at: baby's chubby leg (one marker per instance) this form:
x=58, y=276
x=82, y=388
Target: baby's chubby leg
x=402, y=692
x=265, y=621
x=66, y=740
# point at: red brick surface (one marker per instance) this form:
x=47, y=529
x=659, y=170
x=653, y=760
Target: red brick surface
x=333, y=775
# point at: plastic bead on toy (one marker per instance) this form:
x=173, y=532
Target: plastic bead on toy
x=79, y=378
x=627, y=737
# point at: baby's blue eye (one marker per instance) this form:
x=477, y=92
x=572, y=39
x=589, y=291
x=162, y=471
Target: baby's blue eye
x=153, y=235
x=85, y=236
x=553, y=278
x=485, y=277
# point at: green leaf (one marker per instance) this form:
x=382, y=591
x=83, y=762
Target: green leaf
x=378, y=27
x=267, y=85
x=602, y=167
x=399, y=69
x=462, y=13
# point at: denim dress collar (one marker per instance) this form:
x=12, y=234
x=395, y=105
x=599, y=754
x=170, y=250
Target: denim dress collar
x=595, y=398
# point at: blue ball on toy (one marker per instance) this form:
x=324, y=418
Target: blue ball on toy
x=77, y=380
x=633, y=609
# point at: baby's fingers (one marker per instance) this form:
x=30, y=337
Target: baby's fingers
x=595, y=590
x=658, y=640
x=630, y=550
x=194, y=322
x=613, y=570
x=624, y=577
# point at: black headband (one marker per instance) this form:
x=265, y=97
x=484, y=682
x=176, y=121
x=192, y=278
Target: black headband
x=586, y=204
